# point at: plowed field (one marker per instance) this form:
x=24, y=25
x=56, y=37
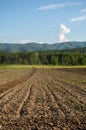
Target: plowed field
x=43, y=99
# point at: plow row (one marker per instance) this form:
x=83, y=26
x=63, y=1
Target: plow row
x=44, y=99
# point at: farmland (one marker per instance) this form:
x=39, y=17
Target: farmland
x=43, y=99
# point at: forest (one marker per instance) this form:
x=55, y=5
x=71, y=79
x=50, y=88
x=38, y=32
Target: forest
x=63, y=57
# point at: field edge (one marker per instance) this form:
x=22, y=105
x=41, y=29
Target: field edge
x=38, y=66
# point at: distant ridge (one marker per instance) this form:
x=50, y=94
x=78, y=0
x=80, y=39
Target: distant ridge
x=11, y=47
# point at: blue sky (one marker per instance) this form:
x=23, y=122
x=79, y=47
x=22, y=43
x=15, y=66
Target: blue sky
x=48, y=21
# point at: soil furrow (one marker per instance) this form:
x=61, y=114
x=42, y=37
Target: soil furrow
x=43, y=99
x=22, y=106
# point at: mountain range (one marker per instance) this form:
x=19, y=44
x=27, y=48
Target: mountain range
x=11, y=47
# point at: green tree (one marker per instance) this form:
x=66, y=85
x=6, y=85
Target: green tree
x=34, y=58
x=25, y=62
x=60, y=56
x=66, y=60
x=54, y=60
x=81, y=59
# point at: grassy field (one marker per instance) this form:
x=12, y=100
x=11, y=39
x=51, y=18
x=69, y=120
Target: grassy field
x=38, y=66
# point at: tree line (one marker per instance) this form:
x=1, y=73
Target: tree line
x=44, y=58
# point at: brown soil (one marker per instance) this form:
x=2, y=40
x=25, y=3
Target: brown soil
x=44, y=99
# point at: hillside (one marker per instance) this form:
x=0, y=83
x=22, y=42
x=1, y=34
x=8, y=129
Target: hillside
x=10, y=47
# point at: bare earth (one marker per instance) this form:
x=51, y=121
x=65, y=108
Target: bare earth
x=42, y=99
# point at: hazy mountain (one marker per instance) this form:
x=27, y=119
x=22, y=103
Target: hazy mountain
x=11, y=47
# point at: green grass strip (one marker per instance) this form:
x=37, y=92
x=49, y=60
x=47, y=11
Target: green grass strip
x=38, y=66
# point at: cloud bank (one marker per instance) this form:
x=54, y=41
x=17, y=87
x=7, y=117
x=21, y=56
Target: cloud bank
x=81, y=18
x=55, y=6
x=83, y=10
x=63, y=31
x=24, y=41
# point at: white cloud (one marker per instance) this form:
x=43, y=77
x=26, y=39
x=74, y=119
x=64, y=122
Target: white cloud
x=63, y=31
x=51, y=6
x=41, y=42
x=24, y=41
x=30, y=41
x=81, y=18
x=83, y=10
x=62, y=38
x=55, y=6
